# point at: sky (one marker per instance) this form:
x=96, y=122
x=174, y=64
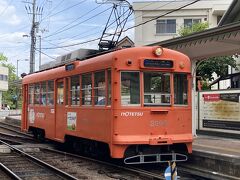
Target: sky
x=61, y=22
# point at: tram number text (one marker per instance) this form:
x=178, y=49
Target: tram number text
x=158, y=123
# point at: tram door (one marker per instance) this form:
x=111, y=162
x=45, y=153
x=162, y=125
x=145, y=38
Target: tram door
x=59, y=110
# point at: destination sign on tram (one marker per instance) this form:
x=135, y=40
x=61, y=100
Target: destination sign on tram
x=158, y=63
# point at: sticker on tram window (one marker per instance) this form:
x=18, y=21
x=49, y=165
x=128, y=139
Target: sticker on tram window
x=71, y=121
x=31, y=116
x=158, y=63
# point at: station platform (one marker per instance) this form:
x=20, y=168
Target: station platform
x=215, y=156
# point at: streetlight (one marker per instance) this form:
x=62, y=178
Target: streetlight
x=17, y=63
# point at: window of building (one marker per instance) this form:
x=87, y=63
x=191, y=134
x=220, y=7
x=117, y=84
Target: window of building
x=31, y=94
x=86, y=89
x=36, y=93
x=43, y=96
x=3, y=77
x=75, y=90
x=60, y=93
x=99, y=88
x=156, y=88
x=50, y=93
x=109, y=94
x=189, y=22
x=180, y=89
x=164, y=26
x=130, y=88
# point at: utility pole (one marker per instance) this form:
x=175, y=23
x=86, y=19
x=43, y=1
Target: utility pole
x=40, y=51
x=33, y=38
x=36, y=12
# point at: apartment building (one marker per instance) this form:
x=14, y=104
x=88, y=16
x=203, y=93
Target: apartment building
x=167, y=26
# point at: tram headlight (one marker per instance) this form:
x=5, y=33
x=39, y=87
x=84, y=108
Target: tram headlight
x=158, y=51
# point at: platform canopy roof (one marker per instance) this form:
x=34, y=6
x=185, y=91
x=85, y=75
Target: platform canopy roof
x=221, y=40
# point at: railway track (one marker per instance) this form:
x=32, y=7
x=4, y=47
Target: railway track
x=16, y=139
x=94, y=169
x=11, y=125
x=21, y=165
x=65, y=161
x=14, y=129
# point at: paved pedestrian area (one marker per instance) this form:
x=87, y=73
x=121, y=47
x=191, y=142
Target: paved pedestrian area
x=221, y=146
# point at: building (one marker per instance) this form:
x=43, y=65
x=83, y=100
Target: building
x=167, y=26
x=3, y=82
x=218, y=41
x=125, y=42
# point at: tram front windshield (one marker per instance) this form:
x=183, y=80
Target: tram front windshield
x=156, y=88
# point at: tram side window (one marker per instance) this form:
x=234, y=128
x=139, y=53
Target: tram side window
x=31, y=94
x=109, y=95
x=75, y=90
x=66, y=92
x=180, y=89
x=43, y=98
x=60, y=90
x=130, y=88
x=36, y=93
x=50, y=93
x=86, y=89
x=156, y=88
x=99, y=88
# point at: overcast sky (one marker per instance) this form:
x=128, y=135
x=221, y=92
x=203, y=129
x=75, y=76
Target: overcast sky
x=62, y=22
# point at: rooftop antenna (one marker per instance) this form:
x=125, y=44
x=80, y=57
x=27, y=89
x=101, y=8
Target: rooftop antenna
x=116, y=22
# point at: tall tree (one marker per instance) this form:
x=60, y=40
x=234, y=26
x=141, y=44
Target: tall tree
x=10, y=97
x=206, y=68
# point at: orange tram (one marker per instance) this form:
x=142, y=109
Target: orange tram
x=132, y=103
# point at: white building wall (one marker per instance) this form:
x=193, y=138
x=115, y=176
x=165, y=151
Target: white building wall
x=3, y=82
x=206, y=10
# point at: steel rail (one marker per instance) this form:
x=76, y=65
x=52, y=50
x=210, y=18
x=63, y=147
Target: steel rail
x=12, y=125
x=11, y=141
x=40, y=162
x=18, y=132
x=130, y=169
x=9, y=172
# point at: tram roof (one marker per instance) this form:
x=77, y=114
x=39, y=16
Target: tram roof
x=221, y=40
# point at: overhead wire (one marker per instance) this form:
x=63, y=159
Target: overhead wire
x=78, y=23
x=80, y=17
x=115, y=21
x=55, y=7
x=140, y=24
x=112, y=22
x=122, y=15
x=65, y=9
x=4, y=10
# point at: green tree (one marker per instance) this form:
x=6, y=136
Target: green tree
x=206, y=68
x=9, y=97
x=196, y=27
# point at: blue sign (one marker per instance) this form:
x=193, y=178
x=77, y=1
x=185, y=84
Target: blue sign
x=171, y=172
x=168, y=174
